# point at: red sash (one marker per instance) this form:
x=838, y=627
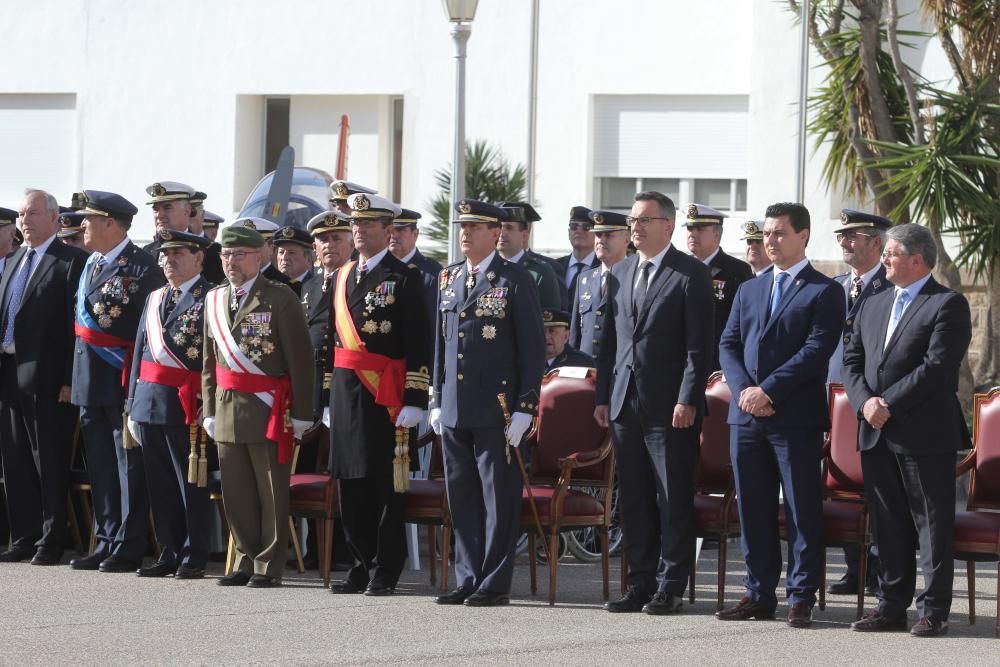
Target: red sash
x=188, y=384
x=279, y=428
x=101, y=339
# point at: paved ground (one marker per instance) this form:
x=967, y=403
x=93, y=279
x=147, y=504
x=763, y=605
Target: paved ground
x=57, y=616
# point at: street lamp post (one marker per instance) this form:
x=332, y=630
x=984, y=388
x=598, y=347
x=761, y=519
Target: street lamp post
x=460, y=14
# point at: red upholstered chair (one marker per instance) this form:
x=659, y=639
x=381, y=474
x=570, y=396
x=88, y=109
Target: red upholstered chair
x=426, y=503
x=568, y=451
x=845, y=516
x=716, y=514
x=314, y=495
x=977, y=530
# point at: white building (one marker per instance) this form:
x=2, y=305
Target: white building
x=697, y=99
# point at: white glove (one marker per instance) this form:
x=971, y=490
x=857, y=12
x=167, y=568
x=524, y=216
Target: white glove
x=326, y=417
x=409, y=416
x=519, y=424
x=299, y=427
x=208, y=423
x=133, y=428
x=435, y=420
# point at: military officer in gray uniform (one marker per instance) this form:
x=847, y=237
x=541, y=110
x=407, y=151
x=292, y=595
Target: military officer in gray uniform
x=513, y=246
x=490, y=343
x=162, y=406
x=590, y=301
x=116, y=280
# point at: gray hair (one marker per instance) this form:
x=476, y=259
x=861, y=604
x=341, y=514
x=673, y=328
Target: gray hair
x=916, y=240
x=50, y=202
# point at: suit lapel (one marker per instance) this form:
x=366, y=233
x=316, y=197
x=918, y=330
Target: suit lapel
x=656, y=282
x=918, y=302
x=45, y=264
x=627, y=290
x=786, y=297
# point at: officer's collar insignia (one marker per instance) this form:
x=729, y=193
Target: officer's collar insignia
x=122, y=261
x=411, y=265
x=876, y=283
x=196, y=291
x=491, y=276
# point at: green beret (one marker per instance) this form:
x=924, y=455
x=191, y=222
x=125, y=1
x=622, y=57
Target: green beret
x=240, y=237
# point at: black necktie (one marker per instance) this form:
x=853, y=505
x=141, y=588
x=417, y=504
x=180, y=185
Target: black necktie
x=175, y=296
x=577, y=268
x=857, y=286
x=362, y=272
x=640, y=289
x=98, y=267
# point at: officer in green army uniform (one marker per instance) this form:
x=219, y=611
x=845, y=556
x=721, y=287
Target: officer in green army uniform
x=513, y=246
x=257, y=391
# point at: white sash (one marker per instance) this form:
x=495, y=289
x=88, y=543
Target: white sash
x=161, y=353
x=218, y=308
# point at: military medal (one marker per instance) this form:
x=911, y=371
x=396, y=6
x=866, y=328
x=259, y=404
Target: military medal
x=491, y=276
x=489, y=332
x=719, y=286
x=369, y=327
x=385, y=326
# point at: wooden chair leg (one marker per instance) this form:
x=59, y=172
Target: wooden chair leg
x=325, y=542
x=997, y=630
x=553, y=564
x=970, y=571
x=300, y=565
x=432, y=552
x=445, y=556
x=531, y=562
x=822, y=583
x=720, y=584
x=604, y=561
x=862, y=578
x=691, y=575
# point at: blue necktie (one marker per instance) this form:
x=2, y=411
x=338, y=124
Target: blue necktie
x=16, y=294
x=902, y=299
x=777, y=293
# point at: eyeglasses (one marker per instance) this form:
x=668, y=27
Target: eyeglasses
x=644, y=220
x=851, y=236
x=574, y=226
x=237, y=255
x=890, y=255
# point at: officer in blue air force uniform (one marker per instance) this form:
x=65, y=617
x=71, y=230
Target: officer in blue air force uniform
x=590, y=300
x=113, y=288
x=489, y=342
x=162, y=406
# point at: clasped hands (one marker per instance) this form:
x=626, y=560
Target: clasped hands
x=876, y=411
x=756, y=402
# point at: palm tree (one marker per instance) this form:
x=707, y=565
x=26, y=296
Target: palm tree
x=488, y=177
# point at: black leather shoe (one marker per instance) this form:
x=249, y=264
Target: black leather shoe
x=157, y=569
x=848, y=585
x=115, y=563
x=457, y=596
x=875, y=621
x=47, y=556
x=744, y=610
x=487, y=599
x=347, y=586
x=91, y=562
x=234, y=579
x=633, y=601
x=15, y=555
x=378, y=590
x=189, y=572
x=928, y=627
x=663, y=603
x=263, y=581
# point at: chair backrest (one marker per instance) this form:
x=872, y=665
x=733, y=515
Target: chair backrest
x=566, y=425
x=842, y=470
x=714, y=469
x=984, y=487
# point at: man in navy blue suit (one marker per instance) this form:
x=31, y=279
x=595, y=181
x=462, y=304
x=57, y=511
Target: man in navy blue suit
x=781, y=332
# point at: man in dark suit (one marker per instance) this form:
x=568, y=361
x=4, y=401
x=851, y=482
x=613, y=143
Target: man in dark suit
x=901, y=373
x=294, y=256
x=861, y=237
x=113, y=288
x=704, y=236
x=583, y=257
x=514, y=246
x=489, y=343
x=381, y=373
x=651, y=390
x=590, y=302
x=36, y=368
x=558, y=352
x=162, y=407
x=775, y=351
x=403, y=237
